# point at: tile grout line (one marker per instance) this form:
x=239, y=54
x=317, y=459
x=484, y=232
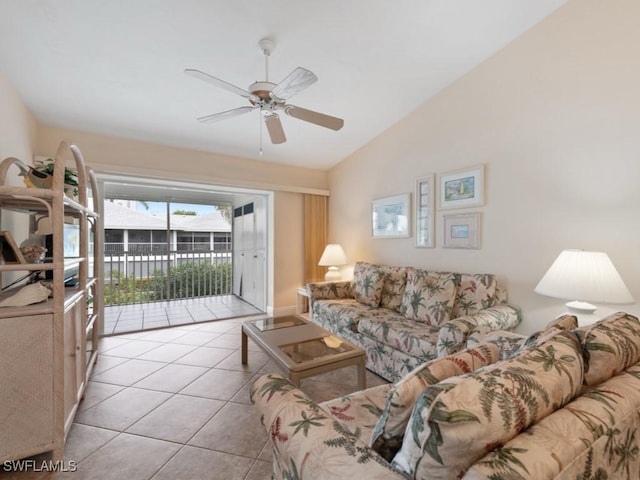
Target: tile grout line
x=253, y=371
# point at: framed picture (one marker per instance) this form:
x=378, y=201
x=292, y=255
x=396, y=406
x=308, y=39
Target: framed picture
x=424, y=211
x=9, y=250
x=462, y=188
x=390, y=217
x=461, y=230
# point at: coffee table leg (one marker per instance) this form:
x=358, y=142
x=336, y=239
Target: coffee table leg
x=244, y=347
x=362, y=375
x=295, y=379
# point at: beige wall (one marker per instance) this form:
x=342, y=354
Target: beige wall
x=17, y=125
x=555, y=118
x=17, y=139
x=116, y=155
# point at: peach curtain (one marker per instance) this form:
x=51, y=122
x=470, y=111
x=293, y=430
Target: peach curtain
x=315, y=236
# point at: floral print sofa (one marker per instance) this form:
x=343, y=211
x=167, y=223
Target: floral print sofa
x=404, y=316
x=563, y=404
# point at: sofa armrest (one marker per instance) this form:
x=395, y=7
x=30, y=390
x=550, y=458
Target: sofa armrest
x=307, y=442
x=330, y=290
x=508, y=343
x=453, y=334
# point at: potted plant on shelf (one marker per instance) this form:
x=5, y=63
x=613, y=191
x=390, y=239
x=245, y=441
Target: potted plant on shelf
x=41, y=176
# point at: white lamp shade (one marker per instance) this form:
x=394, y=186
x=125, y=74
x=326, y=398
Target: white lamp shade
x=584, y=276
x=332, y=256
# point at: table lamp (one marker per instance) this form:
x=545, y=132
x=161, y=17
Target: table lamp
x=332, y=257
x=582, y=276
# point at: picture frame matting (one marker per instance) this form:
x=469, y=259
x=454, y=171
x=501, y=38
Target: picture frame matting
x=461, y=188
x=461, y=230
x=390, y=216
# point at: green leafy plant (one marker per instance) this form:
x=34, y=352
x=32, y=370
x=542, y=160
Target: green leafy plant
x=192, y=280
x=70, y=176
x=185, y=281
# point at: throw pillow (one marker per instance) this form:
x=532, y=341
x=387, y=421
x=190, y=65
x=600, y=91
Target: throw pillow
x=428, y=296
x=474, y=293
x=388, y=433
x=395, y=280
x=456, y=422
x=368, y=280
x=609, y=346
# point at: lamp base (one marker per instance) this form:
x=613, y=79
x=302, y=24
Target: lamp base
x=333, y=275
x=581, y=307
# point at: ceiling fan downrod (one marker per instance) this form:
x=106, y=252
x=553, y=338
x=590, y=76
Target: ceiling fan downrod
x=266, y=46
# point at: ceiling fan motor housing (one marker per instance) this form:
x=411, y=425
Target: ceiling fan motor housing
x=262, y=91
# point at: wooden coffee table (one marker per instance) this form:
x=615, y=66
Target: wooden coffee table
x=302, y=349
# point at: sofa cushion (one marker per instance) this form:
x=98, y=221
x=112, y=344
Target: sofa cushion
x=609, y=346
x=368, y=280
x=501, y=296
x=456, y=422
x=359, y=411
x=341, y=314
x=594, y=434
x=473, y=293
x=388, y=433
x=428, y=296
x=409, y=336
x=395, y=280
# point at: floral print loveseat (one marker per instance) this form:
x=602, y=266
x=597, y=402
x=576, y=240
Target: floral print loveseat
x=564, y=404
x=405, y=316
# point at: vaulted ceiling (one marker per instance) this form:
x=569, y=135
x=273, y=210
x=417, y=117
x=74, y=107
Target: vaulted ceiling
x=116, y=67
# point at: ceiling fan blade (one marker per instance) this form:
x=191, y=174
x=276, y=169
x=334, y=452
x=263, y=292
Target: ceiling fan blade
x=293, y=83
x=274, y=127
x=310, y=116
x=216, y=117
x=221, y=83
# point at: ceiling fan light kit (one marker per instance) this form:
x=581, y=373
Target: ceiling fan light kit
x=270, y=97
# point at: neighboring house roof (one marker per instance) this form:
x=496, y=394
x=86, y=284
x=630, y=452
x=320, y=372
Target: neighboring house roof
x=123, y=218
x=212, y=222
x=117, y=217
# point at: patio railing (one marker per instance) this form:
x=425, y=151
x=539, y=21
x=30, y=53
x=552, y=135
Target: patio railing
x=161, y=247
x=136, y=277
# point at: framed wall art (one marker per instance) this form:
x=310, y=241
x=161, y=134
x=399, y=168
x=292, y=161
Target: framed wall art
x=462, y=188
x=390, y=217
x=424, y=211
x=461, y=230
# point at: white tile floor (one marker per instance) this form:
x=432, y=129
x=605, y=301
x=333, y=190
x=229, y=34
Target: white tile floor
x=174, y=404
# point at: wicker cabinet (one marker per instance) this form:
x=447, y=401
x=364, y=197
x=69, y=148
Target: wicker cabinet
x=47, y=349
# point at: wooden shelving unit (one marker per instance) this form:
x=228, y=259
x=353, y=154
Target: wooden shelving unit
x=47, y=349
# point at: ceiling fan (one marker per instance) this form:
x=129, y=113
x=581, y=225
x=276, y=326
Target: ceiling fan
x=270, y=98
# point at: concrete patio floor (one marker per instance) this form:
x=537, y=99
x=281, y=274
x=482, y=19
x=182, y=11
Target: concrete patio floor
x=146, y=316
